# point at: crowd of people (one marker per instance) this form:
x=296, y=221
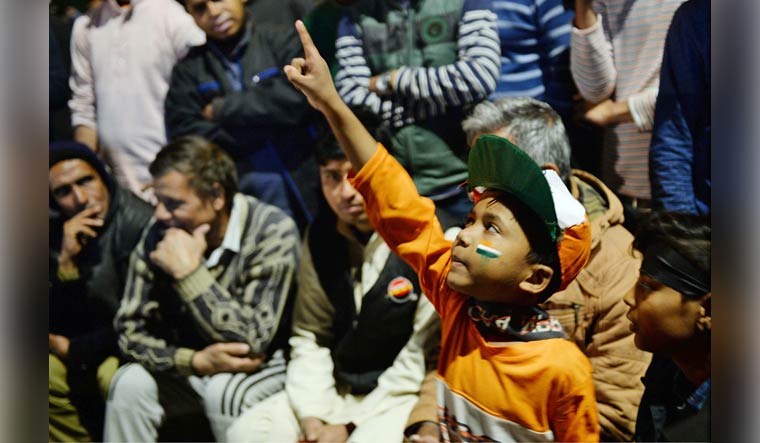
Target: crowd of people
x=379, y=220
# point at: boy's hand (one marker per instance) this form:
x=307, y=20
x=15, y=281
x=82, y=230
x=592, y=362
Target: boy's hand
x=311, y=75
x=427, y=433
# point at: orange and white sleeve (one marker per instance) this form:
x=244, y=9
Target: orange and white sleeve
x=406, y=221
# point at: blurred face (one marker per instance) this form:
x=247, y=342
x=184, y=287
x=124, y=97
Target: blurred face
x=662, y=320
x=344, y=199
x=180, y=206
x=219, y=19
x=76, y=185
x=501, y=132
x=476, y=271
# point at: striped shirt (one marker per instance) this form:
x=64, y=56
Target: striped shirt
x=535, y=42
x=619, y=57
x=237, y=295
x=421, y=92
x=700, y=395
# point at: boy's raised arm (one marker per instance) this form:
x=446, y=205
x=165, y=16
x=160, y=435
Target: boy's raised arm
x=311, y=75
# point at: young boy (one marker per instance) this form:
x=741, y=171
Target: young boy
x=671, y=317
x=505, y=371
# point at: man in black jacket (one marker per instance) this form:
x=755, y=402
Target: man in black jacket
x=232, y=91
x=94, y=225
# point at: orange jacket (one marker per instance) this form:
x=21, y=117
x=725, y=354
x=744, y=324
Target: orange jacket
x=537, y=391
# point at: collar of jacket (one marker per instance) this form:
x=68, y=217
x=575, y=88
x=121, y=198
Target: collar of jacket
x=583, y=186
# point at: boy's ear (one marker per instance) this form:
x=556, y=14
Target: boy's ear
x=220, y=197
x=704, y=323
x=551, y=166
x=706, y=299
x=538, y=280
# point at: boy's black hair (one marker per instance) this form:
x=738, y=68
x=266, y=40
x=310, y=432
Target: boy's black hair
x=542, y=249
x=688, y=234
x=327, y=147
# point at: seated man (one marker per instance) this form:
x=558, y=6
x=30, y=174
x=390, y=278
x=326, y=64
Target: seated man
x=361, y=330
x=591, y=308
x=231, y=90
x=208, y=289
x=671, y=316
x=94, y=225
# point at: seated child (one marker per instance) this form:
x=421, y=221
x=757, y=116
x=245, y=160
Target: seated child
x=671, y=317
x=505, y=372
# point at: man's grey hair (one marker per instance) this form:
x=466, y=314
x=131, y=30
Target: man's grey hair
x=531, y=124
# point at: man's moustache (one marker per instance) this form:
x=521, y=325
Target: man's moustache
x=162, y=227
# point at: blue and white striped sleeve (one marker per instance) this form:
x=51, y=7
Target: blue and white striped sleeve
x=475, y=74
x=555, y=24
x=352, y=78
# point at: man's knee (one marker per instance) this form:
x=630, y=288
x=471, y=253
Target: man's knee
x=106, y=371
x=57, y=385
x=132, y=386
x=270, y=420
x=388, y=426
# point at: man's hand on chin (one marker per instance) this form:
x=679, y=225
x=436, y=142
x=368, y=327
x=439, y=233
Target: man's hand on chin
x=180, y=253
x=77, y=231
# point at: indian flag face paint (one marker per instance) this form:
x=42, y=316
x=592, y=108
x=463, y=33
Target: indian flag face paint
x=486, y=249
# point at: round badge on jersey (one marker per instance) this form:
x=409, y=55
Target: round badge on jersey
x=401, y=290
x=434, y=29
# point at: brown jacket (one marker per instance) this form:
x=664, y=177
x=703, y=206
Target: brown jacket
x=592, y=310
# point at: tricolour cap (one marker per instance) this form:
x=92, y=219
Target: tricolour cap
x=497, y=164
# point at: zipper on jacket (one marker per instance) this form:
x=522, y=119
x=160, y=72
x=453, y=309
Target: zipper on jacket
x=408, y=14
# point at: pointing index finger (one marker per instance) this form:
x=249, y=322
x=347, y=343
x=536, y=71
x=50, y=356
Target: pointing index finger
x=309, y=49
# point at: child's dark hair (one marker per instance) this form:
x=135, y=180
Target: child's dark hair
x=327, y=147
x=542, y=249
x=687, y=234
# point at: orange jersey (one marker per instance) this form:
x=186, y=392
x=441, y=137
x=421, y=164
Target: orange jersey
x=531, y=391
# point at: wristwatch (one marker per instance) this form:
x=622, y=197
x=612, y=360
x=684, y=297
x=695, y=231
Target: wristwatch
x=383, y=84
